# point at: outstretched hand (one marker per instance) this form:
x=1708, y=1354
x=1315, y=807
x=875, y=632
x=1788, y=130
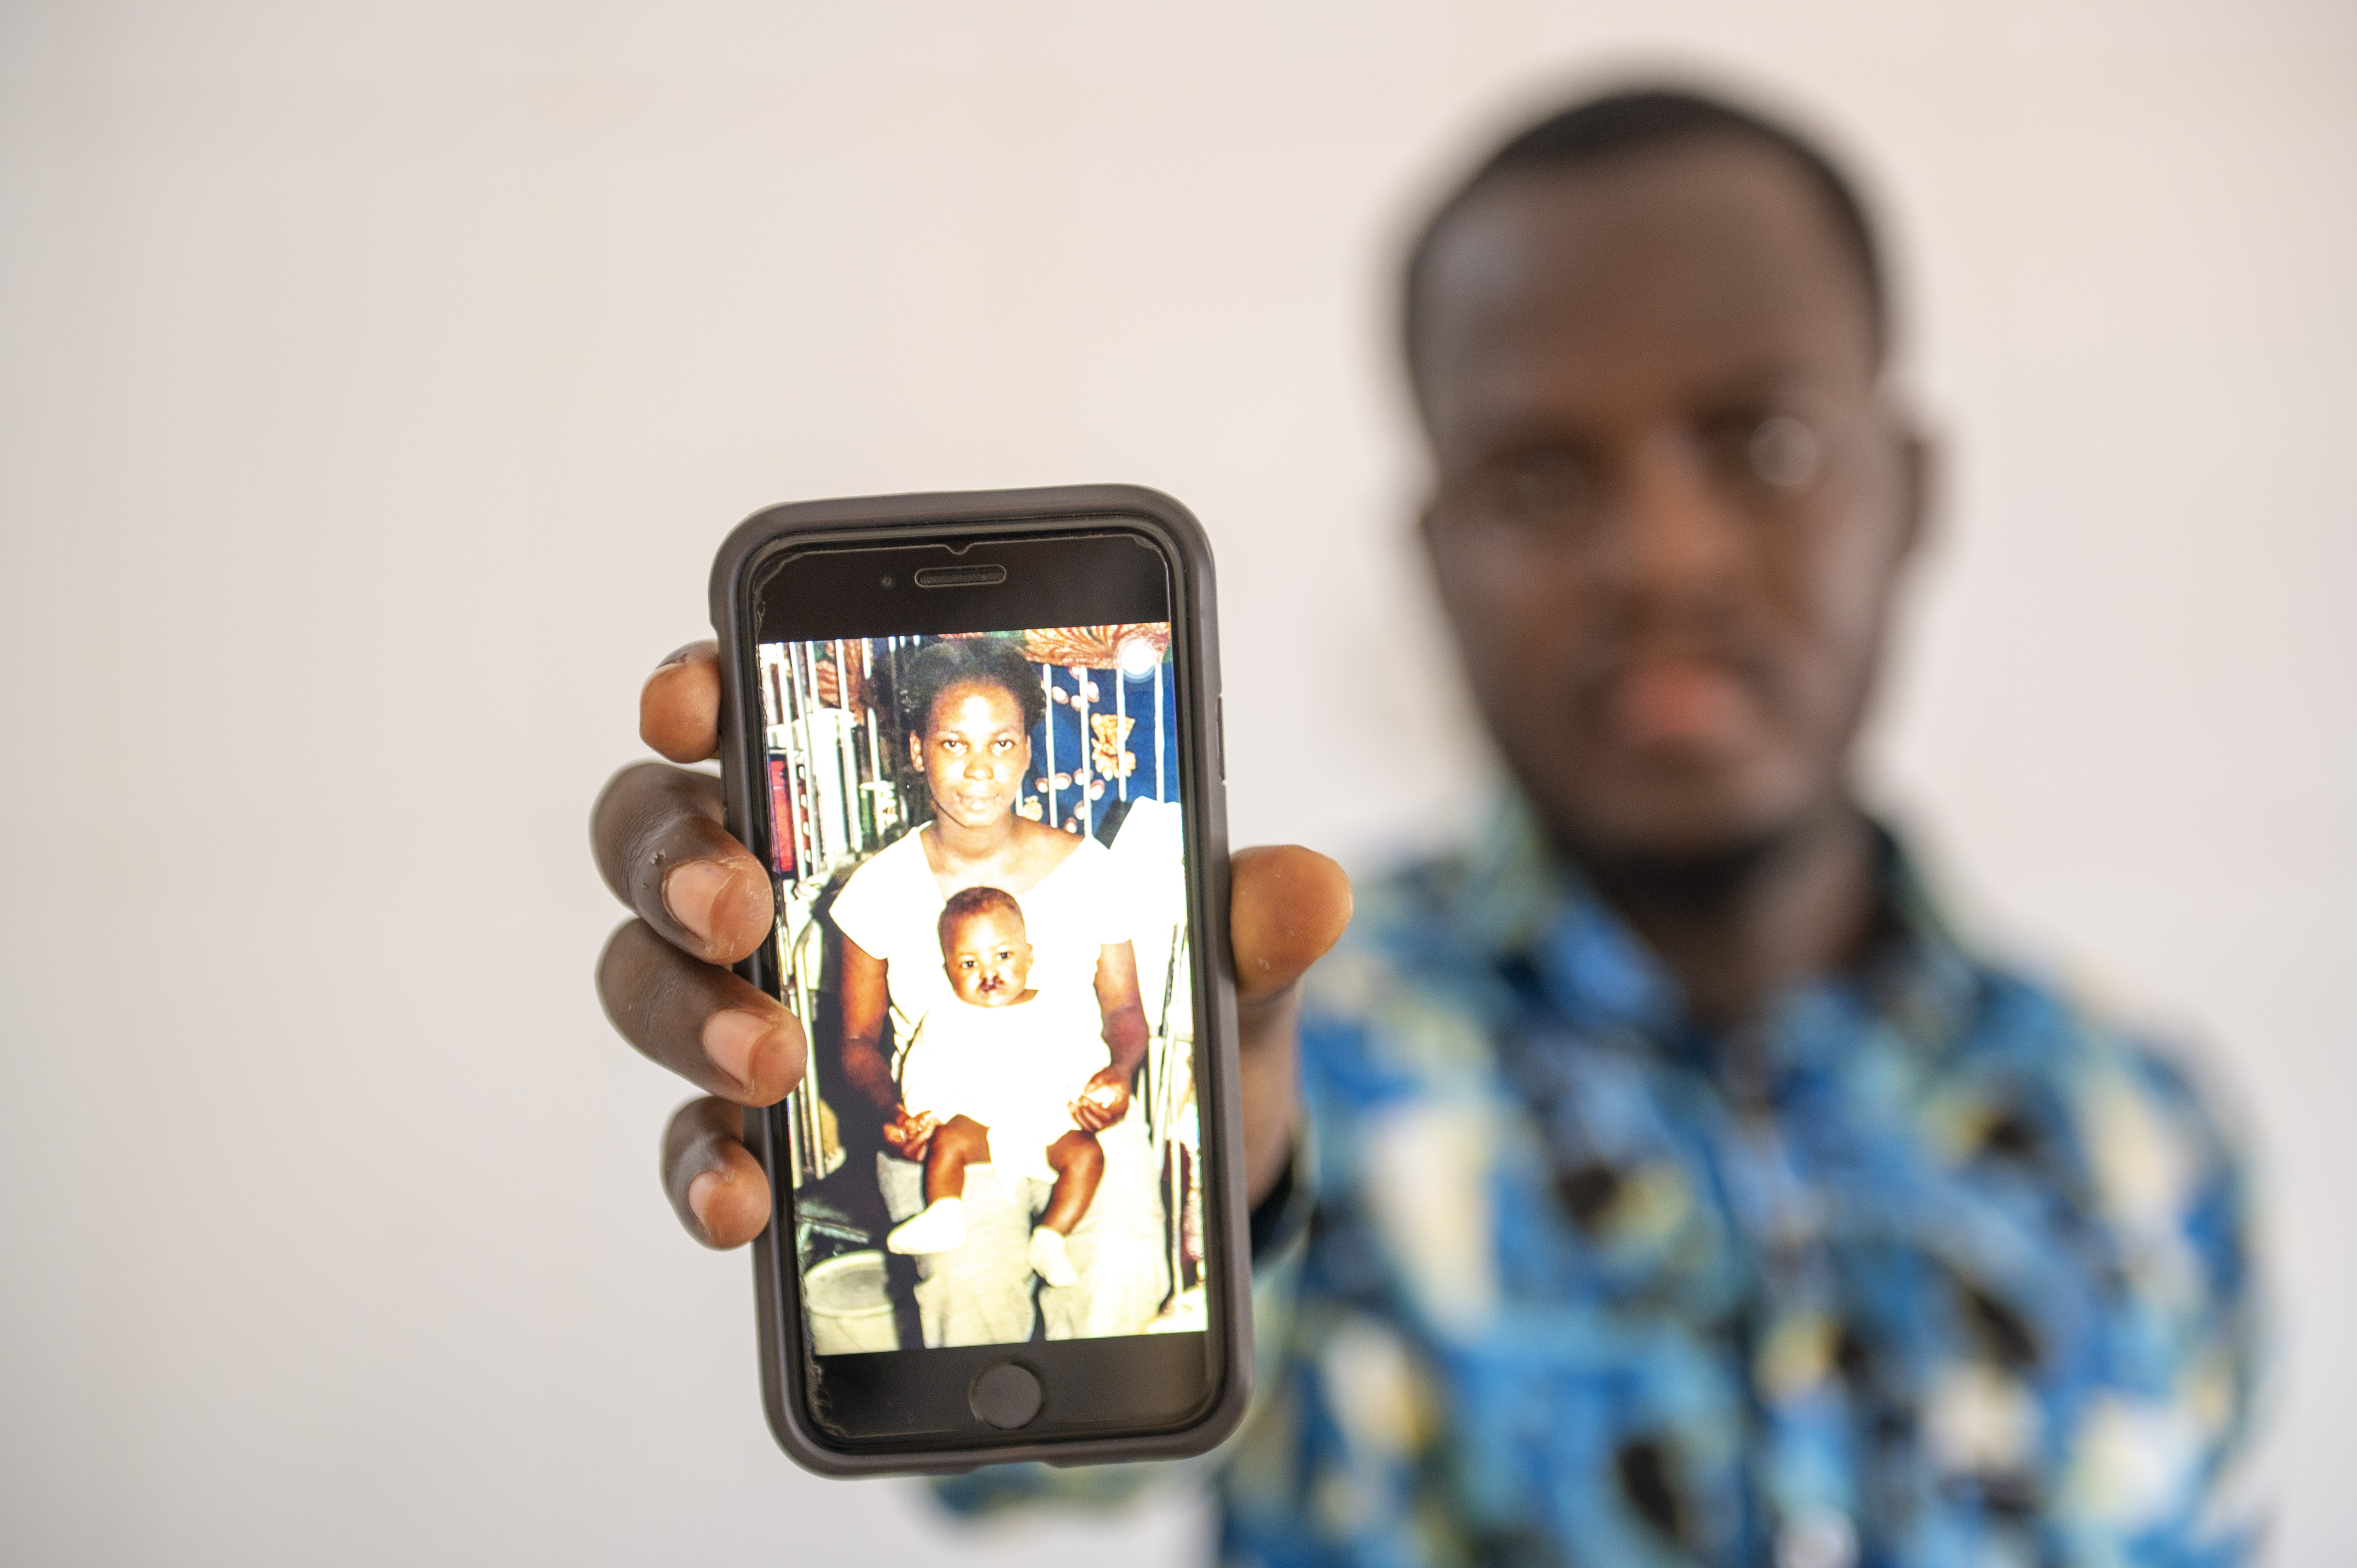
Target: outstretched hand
x=703, y=902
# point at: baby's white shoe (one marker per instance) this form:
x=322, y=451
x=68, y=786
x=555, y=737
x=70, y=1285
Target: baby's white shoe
x=939, y=1228
x=1049, y=1260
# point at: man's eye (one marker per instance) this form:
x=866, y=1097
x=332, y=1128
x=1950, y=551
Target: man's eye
x=1786, y=453
x=1773, y=455
x=1543, y=487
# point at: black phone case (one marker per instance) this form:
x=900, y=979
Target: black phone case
x=785, y=1369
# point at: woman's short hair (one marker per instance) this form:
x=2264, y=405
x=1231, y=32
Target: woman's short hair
x=958, y=661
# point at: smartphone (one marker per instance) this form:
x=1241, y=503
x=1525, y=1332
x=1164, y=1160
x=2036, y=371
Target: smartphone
x=977, y=738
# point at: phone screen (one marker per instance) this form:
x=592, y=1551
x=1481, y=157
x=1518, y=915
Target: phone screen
x=974, y=798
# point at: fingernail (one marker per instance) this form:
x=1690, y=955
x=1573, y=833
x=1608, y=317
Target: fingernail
x=692, y=892
x=677, y=656
x=699, y=1196
x=730, y=1039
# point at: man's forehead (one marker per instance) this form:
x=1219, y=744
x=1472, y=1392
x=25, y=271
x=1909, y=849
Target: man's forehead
x=1708, y=259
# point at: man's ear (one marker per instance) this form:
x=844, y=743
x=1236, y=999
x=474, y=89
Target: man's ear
x=915, y=751
x=1435, y=549
x=1428, y=537
x=1918, y=460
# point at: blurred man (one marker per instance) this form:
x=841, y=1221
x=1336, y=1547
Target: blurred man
x=1674, y=1188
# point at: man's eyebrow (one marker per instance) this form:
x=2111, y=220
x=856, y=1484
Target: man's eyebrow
x=1524, y=434
x=1768, y=373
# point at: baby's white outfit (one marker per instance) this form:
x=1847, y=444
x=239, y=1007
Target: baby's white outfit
x=1015, y=1070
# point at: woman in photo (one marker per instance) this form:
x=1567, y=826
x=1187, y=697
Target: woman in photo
x=971, y=704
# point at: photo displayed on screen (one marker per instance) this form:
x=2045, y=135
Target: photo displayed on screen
x=983, y=922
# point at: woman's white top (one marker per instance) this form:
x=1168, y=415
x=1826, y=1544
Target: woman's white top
x=892, y=907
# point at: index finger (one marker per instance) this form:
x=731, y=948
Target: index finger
x=679, y=707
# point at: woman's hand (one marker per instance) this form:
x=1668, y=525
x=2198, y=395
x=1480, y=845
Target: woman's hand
x=1104, y=1101
x=703, y=902
x=910, y=1136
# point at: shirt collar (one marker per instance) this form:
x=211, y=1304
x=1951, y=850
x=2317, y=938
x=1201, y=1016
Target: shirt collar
x=1523, y=902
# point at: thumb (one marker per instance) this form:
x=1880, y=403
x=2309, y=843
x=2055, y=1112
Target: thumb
x=1286, y=905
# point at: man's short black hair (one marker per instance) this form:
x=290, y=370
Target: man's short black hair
x=1631, y=120
x=968, y=902
x=970, y=662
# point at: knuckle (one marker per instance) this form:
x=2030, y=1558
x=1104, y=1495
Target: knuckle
x=648, y=992
x=670, y=1013
x=619, y=970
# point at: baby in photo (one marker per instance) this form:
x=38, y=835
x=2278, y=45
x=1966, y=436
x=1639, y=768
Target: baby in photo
x=990, y=1078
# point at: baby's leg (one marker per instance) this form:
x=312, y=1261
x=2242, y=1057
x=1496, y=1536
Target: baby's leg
x=940, y=1226
x=958, y=1142
x=1078, y=1160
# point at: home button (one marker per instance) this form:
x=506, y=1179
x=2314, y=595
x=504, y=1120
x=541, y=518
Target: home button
x=1006, y=1395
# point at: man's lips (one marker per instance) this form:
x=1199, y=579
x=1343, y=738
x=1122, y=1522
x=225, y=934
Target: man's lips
x=1677, y=701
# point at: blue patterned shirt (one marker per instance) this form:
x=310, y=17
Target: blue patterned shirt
x=1922, y=1265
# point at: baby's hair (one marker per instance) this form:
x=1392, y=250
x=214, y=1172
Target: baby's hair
x=968, y=902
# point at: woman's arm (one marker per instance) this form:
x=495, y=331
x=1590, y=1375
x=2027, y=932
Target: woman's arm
x=865, y=995
x=1124, y=1035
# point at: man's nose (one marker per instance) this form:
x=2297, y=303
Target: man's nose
x=1676, y=538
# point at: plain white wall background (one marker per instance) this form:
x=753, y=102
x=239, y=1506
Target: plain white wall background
x=376, y=380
